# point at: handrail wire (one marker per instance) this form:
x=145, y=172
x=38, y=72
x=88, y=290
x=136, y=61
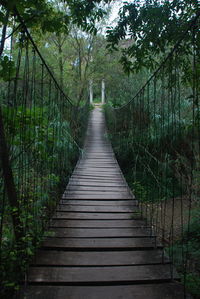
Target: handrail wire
x=41, y=57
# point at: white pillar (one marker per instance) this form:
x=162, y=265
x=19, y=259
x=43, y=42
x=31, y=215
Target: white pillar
x=91, y=91
x=103, y=91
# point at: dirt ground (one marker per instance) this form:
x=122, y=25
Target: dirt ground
x=169, y=218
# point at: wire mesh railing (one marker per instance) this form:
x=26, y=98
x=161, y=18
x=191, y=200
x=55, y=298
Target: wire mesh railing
x=156, y=138
x=41, y=138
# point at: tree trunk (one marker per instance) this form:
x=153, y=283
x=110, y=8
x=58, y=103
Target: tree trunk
x=5, y=162
x=61, y=70
x=9, y=181
x=4, y=32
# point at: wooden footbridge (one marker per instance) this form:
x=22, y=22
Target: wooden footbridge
x=99, y=246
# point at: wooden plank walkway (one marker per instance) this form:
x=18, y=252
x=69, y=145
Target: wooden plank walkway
x=100, y=247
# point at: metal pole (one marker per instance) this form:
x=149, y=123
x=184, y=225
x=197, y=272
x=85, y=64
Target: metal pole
x=103, y=91
x=91, y=91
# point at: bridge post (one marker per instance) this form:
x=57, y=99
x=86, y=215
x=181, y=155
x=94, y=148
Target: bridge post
x=91, y=91
x=103, y=91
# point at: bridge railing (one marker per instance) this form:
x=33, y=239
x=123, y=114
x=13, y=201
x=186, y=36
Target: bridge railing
x=156, y=137
x=41, y=137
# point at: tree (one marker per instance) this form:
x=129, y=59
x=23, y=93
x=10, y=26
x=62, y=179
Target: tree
x=151, y=27
x=44, y=16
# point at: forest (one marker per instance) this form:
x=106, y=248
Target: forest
x=149, y=58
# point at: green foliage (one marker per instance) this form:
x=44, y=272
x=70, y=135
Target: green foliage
x=139, y=191
x=158, y=165
x=43, y=154
x=150, y=29
x=155, y=135
x=7, y=68
x=186, y=255
x=193, y=284
x=51, y=16
x=44, y=132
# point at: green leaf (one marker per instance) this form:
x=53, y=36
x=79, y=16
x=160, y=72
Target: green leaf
x=7, y=69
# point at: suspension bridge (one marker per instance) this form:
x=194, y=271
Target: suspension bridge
x=94, y=239
x=100, y=245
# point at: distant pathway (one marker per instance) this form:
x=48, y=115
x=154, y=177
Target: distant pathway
x=100, y=247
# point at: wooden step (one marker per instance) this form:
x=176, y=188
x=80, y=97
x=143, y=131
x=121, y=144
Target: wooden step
x=101, y=243
x=98, y=223
x=129, y=202
x=96, y=189
x=98, y=258
x=99, y=232
x=172, y=290
x=117, y=275
x=96, y=183
x=96, y=216
x=99, y=209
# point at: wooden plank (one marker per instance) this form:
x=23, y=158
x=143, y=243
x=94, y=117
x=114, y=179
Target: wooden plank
x=104, y=195
x=97, y=177
x=98, y=223
x=95, y=216
x=100, y=243
x=97, y=174
x=92, y=157
x=100, y=275
x=98, y=158
x=100, y=232
x=99, y=209
x=98, y=258
x=96, y=168
x=108, y=164
x=111, y=163
x=98, y=147
x=96, y=182
x=98, y=192
x=172, y=290
x=102, y=144
x=96, y=154
x=81, y=202
x=91, y=198
x=97, y=188
x=97, y=196
x=98, y=165
x=101, y=179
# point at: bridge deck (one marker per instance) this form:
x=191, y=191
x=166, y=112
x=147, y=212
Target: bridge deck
x=100, y=247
